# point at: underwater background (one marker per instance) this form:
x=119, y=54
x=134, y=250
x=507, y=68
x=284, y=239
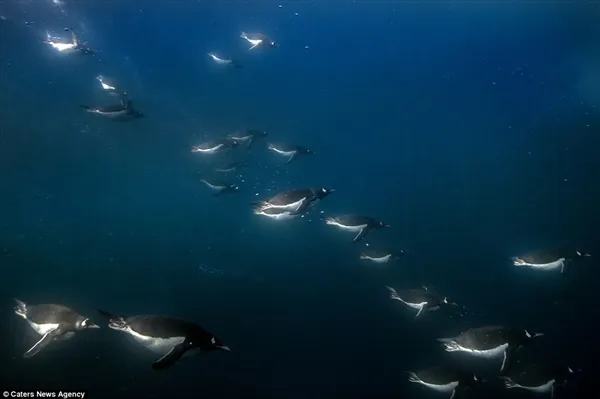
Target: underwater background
x=470, y=127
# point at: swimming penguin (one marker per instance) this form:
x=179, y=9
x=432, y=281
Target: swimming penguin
x=423, y=300
x=167, y=336
x=540, y=378
x=550, y=260
x=74, y=47
x=276, y=213
x=491, y=342
x=248, y=136
x=356, y=224
x=380, y=256
x=216, y=146
x=291, y=151
x=220, y=187
x=223, y=61
x=232, y=166
x=119, y=112
x=52, y=322
x=295, y=201
x=448, y=380
x=258, y=39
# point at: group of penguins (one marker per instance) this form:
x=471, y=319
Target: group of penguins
x=172, y=338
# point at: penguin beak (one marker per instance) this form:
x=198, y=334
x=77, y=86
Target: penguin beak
x=93, y=326
x=224, y=348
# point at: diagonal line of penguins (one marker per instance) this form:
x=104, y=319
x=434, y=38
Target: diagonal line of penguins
x=172, y=338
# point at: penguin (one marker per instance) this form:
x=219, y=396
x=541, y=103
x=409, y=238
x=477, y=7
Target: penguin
x=74, y=47
x=53, y=322
x=380, y=256
x=224, y=61
x=248, y=136
x=491, y=342
x=291, y=151
x=118, y=112
x=295, y=201
x=275, y=213
x=232, y=166
x=540, y=378
x=219, y=187
x=550, y=260
x=215, y=146
x=258, y=39
x=448, y=380
x=169, y=337
x=356, y=224
x=423, y=300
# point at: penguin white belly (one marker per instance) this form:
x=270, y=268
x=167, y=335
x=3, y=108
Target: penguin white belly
x=384, y=259
x=212, y=186
x=557, y=264
x=488, y=353
x=209, y=150
x=283, y=215
x=292, y=207
x=63, y=46
x=241, y=139
x=160, y=346
x=547, y=387
x=116, y=114
x=417, y=306
x=43, y=329
x=353, y=229
x=440, y=388
x=284, y=153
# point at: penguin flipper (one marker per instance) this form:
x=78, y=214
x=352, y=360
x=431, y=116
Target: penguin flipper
x=453, y=396
x=249, y=144
x=290, y=159
x=507, y=361
x=171, y=357
x=361, y=234
x=42, y=343
x=420, y=311
x=301, y=208
x=255, y=45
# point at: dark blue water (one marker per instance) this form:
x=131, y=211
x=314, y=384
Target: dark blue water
x=471, y=128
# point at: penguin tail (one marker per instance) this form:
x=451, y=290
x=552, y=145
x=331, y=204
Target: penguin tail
x=393, y=293
x=412, y=377
x=508, y=382
x=21, y=306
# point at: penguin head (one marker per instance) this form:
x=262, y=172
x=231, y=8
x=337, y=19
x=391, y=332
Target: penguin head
x=233, y=187
x=581, y=254
x=526, y=337
x=381, y=224
x=86, y=323
x=272, y=43
x=216, y=344
x=20, y=308
x=324, y=192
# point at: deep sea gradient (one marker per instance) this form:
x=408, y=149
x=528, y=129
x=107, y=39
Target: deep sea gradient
x=470, y=127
